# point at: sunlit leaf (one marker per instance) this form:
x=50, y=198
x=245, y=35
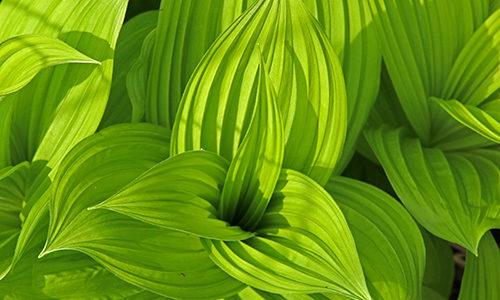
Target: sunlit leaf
x=216, y=108
x=168, y=262
x=62, y=104
x=24, y=56
x=388, y=241
x=303, y=245
x=455, y=196
x=486, y=122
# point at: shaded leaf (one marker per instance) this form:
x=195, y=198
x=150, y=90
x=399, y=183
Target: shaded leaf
x=439, y=268
x=482, y=273
x=128, y=52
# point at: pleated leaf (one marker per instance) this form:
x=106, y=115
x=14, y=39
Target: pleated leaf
x=485, y=122
x=417, y=55
x=388, y=241
x=476, y=71
x=181, y=193
x=215, y=111
x=349, y=26
x=482, y=273
x=62, y=104
x=455, y=196
x=168, y=262
x=128, y=51
x=186, y=29
x=24, y=56
x=303, y=245
x=255, y=169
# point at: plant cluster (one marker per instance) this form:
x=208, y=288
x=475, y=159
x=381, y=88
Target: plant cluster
x=249, y=149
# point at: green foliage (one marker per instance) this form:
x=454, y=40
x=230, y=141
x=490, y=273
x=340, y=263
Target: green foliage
x=194, y=149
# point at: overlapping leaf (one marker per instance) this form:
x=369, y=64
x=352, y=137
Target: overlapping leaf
x=128, y=50
x=216, y=108
x=485, y=122
x=455, y=196
x=23, y=56
x=303, y=245
x=349, y=26
x=62, y=104
x=388, y=241
x=419, y=57
x=175, y=56
x=168, y=262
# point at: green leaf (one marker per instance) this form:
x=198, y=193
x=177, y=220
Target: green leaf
x=128, y=52
x=484, y=122
x=137, y=78
x=64, y=276
x=23, y=57
x=254, y=171
x=455, y=195
x=303, y=245
x=5, y=123
x=349, y=26
x=167, y=262
x=439, y=268
x=216, y=108
x=419, y=57
x=62, y=104
x=186, y=29
x=476, y=71
x=482, y=273
x=388, y=241
x=181, y=193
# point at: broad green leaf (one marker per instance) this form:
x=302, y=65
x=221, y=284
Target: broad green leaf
x=482, y=272
x=255, y=169
x=419, y=57
x=23, y=57
x=186, y=29
x=167, y=262
x=439, y=268
x=389, y=243
x=349, y=26
x=128, y=50
x=484, y=122
x=476, y=71
x=455, y=195
x=62, y=104
x=215, y=110
x=181, y=193
x=303, y=245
